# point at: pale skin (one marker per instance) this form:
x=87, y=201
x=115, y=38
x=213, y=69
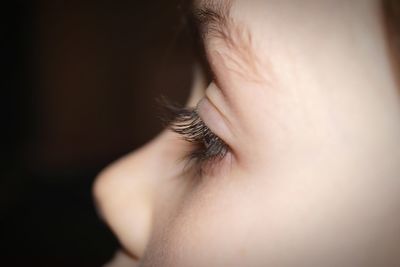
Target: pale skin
x=312, y=176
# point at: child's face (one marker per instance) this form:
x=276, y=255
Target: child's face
x=304, y=99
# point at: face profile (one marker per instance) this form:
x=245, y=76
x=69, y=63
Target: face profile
x=289, y=156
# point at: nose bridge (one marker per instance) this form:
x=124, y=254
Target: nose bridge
x=124, y=195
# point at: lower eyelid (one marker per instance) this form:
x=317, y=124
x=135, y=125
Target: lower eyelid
x=221, y=167
x=209, y=168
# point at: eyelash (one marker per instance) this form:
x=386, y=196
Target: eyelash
x=208, y=149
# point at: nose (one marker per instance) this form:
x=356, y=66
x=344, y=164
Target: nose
x=125, y=194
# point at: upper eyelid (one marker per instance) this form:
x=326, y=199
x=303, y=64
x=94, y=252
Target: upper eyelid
x=191, y=127
x=223, y=113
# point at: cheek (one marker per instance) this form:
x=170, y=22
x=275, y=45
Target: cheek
x=214, y=225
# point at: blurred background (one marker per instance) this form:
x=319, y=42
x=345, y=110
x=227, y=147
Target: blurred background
x=80, y=79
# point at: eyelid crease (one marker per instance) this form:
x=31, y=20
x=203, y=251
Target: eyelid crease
x=222, y=114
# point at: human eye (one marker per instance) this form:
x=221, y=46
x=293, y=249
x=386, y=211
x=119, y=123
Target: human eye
x=207, y=151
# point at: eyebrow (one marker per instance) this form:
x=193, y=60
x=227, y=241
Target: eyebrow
x=214, y=18
x=215, y=22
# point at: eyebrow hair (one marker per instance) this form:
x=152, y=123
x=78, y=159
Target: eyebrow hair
x=214, y=18
x=215, y=22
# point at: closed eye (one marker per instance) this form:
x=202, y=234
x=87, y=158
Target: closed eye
x=207, y=150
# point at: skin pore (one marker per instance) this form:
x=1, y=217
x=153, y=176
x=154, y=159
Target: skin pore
x=306, y=99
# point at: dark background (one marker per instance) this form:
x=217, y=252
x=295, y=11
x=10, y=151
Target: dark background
x=78, y=89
